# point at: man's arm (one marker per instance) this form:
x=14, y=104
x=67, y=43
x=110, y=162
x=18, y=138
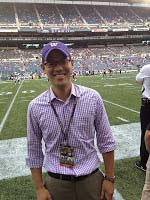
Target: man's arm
x=106, y=145
x=139, y=78
x=35, y=155
x=37, y=178
x=109, y=163
x=41, y=192
x=108, y=184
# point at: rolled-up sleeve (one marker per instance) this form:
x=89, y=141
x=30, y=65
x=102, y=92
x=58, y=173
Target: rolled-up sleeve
x=35, y=155
x=141, y=75
x=105, y=139
x=139, y=78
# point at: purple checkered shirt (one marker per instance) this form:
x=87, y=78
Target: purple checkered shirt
x=90, y=118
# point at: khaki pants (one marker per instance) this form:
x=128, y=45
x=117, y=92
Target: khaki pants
x=146, y=189
x=89, y=188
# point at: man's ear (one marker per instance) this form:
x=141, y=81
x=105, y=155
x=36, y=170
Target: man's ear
x=72, y=62
x=43, y=68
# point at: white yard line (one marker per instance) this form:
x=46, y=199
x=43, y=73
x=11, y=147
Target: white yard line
x=3, y=99
x=2, y=102
x=122, y=119
x=115, y=78
x=9, y=109
x=119, y=84
x=115, y=104
x=26, y=100
x=2, y=82
x=27, y=97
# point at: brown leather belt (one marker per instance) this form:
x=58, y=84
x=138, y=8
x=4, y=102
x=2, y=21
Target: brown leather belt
x=70, y=177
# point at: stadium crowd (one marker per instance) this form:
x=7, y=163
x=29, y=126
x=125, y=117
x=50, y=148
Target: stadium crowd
x=85, y=59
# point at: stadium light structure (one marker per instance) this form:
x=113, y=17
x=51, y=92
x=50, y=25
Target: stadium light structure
x=60, y=1
x=138, y=3
x=48, y=1
x=70, y=2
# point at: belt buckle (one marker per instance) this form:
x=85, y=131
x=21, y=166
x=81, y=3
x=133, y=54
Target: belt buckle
x=72, y=178
x=147, y=100
x=61, y=177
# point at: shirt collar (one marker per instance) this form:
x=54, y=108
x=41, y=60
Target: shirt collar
x=74, y=93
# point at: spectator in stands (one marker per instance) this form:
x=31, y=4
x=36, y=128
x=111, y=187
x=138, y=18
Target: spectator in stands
x=143, y=77
x=146, y=189
x=66, y=117
x=84, y=59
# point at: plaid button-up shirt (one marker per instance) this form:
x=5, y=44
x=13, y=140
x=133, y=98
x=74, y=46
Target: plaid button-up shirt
x=89, y=118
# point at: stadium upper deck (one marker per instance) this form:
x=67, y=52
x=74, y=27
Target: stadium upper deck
x=71, y=17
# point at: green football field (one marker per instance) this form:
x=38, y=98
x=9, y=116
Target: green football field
x=121, y=95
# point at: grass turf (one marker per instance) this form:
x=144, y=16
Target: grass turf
x=121, y=90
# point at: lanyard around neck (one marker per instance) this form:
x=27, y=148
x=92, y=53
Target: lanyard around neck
x=65, y=133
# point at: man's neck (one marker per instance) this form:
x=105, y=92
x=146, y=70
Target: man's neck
x=62, y=93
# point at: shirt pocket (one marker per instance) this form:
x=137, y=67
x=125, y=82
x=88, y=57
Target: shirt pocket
x=50, y=129
x=84, y=125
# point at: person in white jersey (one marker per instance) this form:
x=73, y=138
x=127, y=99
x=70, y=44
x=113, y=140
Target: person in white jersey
x=143, y=77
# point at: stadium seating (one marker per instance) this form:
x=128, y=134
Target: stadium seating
x=57, y=17
x=7, y=15
x=124, y=57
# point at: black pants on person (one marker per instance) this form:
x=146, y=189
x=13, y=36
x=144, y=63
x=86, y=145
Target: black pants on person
x=145, y=119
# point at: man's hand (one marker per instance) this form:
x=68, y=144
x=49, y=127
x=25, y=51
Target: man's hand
x=43, y=194
x=107, y=190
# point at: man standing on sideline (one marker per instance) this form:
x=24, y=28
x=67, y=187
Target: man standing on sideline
x=66, y=117
x=143, y=77
x=146, y=188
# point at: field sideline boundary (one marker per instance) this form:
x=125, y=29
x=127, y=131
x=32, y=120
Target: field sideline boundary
x=9, y=109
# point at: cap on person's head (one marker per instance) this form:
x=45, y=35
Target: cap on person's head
x=54, y=45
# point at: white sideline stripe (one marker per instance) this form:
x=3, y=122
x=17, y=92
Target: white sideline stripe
x=115, y=104
x=122, y=119
x=9, y=109
x=117, y=196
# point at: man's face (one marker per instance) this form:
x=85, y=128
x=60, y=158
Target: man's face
x=58, y=69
